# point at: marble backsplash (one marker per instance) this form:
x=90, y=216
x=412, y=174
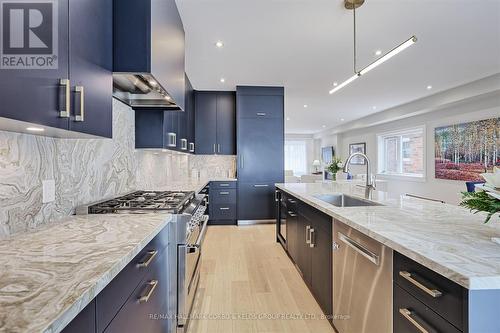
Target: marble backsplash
x=86, y=171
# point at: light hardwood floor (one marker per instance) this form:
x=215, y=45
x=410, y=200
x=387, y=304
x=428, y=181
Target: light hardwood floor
x=246, y=273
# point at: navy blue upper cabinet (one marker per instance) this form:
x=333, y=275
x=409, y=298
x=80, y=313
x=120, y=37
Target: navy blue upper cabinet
x=226, y=123
x=156, y=129
x=90, y=66
x=215, y=115
x=149, y=44
x=46, y=95
x=206, y=122
x=190, y=116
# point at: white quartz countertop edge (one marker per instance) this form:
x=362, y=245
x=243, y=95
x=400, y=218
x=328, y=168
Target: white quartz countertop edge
x=468, y=282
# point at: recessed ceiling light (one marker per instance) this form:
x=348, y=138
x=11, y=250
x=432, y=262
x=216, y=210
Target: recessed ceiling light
x=374, y=107
x=335, y=84
x=324, y=126
x=342, y=119
x=35, y=129
x=378, y=52
x=429, y=87
x=287, y=118
x=222, y=80
x=305, y=106
x=219, y=44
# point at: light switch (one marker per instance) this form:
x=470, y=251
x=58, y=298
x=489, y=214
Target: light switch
x=49, y=191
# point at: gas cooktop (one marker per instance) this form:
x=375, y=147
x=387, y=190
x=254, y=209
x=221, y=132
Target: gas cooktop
x=144, y=202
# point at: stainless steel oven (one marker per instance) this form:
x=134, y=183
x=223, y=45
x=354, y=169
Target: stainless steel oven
x=189, y=264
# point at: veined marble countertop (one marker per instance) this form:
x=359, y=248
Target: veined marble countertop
x=448, y=239
x=190, y=184
x=49, y=275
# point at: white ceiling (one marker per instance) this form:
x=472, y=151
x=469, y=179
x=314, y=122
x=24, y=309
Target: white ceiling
x=306, y=45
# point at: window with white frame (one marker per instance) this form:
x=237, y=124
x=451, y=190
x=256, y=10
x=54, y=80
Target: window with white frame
x=402, y=153
x=296, y=156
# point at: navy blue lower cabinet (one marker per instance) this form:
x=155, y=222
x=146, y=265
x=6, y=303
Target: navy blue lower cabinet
x=84, y=322
x=146, y=308
x=256, y=201
x=223, y=197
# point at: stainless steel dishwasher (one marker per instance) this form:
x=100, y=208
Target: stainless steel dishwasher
x=362, y=282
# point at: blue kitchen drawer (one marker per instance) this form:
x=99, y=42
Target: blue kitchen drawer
x=223, y=211
x=222, y=185
x=223, y=196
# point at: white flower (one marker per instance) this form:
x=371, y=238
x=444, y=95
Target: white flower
x=340, y=165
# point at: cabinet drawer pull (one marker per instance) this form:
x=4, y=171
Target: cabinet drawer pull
x=308, y=234
x=65, y=104
x=359, y=248
x=408, y=276
x=224, y=208
x=80, y=90
x=224, y=185
x=292, y=214
x=411, y=317
x=292, y=201
x=261, y=114
x=261, y=185
x=150, y=255
x=224, y=193
x=311, y=237
x=151, y=286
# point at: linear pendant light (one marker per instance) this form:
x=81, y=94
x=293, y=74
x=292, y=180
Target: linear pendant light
x=401, y=47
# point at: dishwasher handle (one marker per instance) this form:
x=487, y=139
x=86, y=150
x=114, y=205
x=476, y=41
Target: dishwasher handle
x=374, y=258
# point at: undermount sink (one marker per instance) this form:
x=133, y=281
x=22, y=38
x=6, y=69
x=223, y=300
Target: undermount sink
x=343, y=200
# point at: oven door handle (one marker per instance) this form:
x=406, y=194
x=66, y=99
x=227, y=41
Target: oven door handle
x=203, y=231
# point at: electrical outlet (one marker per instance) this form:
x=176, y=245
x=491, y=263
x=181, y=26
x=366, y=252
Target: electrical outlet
x=49, y=191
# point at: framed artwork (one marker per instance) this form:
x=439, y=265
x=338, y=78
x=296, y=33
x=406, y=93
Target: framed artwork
x=357, y=148
x=327, y=154
x=464, y=151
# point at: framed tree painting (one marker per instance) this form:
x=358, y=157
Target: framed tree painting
x=464, y=151
x=357, y=148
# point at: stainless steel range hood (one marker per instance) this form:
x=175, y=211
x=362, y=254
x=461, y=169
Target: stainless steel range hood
x=148, y=58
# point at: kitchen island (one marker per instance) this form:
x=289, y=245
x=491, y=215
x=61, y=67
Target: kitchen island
x=445, y=239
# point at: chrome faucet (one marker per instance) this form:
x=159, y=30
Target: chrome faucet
x=370, y=184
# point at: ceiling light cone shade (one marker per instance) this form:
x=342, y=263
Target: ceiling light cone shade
x=345, y=83
x=403, y=46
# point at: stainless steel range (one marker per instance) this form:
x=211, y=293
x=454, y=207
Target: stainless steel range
x=191, y=225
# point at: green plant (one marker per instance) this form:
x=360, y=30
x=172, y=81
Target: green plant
x=481, y=202
x=336, y=165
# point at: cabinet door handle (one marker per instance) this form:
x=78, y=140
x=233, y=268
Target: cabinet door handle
x=261, y=114
x=292, y=214
x=172, y=139
x=224, y=193
x=191, y=147
x=184, y=144
x=412, y=318
x=148, y=258
x=261, y=185
x=150, y=287
x=291, y=201
x=312, y=237
x=308, y=234
x=241, y=161
x=411, y=278
x=64, y=101
x=218, y=148
x=224, y=208
x=80, y=90
x=214, y=149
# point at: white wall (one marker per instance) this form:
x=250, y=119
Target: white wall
x=470, y=109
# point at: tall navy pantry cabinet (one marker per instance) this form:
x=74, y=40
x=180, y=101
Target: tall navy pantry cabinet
x=260, y=141
x=75, y=97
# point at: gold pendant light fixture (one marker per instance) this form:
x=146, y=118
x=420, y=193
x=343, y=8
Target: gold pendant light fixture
x=352, y=5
